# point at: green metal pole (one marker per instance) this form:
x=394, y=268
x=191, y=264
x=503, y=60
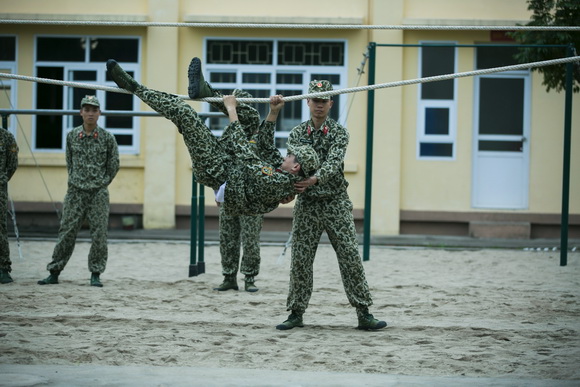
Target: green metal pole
x=201, y=238
x=193, y=229
x=566, y=169
x=369, y=158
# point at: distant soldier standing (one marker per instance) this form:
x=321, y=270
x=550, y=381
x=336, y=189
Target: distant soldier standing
x=8, y=165
x=324, y=205
x=92, y=160
x=237, y=232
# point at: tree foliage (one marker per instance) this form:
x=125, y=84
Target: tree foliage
x=551, y=13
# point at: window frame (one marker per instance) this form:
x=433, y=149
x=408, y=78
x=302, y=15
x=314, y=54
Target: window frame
x=12, y=66
x=424, y=104
x=274, y=69
x=101, y=79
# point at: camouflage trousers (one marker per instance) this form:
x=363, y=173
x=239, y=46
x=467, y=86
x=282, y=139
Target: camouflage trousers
x=5, y=262
x=236, y=230
x=311, y=218
x=210, y=159
x=79, y=205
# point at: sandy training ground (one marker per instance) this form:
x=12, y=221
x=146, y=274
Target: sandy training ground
x=476, y=313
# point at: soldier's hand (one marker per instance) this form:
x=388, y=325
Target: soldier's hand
x=303, y=184
x=230, y=101
x=276, y=103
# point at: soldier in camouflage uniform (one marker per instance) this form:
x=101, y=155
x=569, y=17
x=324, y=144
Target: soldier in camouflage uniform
x=8, y=165
x=258, y=178
x=92, y=160
x=324, y=205
x=236, y=231
x=239, y=231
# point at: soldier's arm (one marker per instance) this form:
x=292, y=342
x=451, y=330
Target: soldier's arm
x=335, y=158
x=243, y=148
x=11, y=157
x=113, y=160
x=265, y=137
x=68, y=154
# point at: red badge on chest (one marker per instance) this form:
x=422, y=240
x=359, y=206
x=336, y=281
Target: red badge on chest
x=324, y=130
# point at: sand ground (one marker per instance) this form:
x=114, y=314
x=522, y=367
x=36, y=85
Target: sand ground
x=472, y=313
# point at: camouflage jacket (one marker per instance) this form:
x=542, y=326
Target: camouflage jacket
x=255, y=185
x=92, y=160
x=330, y=142
x=8, y=155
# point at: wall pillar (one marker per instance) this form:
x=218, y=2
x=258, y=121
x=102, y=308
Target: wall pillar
x=387, y=118
x=160, y=72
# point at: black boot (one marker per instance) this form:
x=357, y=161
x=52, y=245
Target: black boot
x=95, y=280
x=230, y=282
x=121, y=78
x=249, y=284
x=367, y=321
x=293, y=321
x=198, y=87
x=52, y=279
x=5, y=277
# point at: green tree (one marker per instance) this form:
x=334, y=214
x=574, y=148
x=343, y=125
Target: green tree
x=551, y=13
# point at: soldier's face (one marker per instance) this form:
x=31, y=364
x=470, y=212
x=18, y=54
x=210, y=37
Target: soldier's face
x=319, y=108
x=90, y=114
x=290, y=165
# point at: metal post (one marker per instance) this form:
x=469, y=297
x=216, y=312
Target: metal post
x=193, y=237
x=201, y=229
x=5, y=121
x=369, y=157
x=566, y=167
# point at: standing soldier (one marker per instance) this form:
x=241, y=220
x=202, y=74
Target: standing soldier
x=8, y=165
x=92, y=160
x=324, y=205
x=235, y=230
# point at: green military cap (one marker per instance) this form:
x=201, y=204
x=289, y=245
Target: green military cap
x=307, y=157
x=90, y=100
x=319, y=87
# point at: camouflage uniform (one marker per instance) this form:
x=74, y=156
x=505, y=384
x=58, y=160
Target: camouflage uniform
x=8, y=165
x=92, y=163
x=254, y=184
x=325, y=207
x=236, y=230
x=240, y=230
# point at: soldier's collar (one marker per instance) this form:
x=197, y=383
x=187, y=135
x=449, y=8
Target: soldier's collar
x=93, y=133
x=311, y=128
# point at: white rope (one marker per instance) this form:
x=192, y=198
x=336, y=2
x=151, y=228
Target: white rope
x=291, y=98
x=64, y=83
x=291, y=26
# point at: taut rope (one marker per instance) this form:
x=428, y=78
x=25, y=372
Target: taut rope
x=322, y=94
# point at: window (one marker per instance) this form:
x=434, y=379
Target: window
x=501, y=122
x=82, y=59
x=436, y=123
x=8, y=86
x=268, y=67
